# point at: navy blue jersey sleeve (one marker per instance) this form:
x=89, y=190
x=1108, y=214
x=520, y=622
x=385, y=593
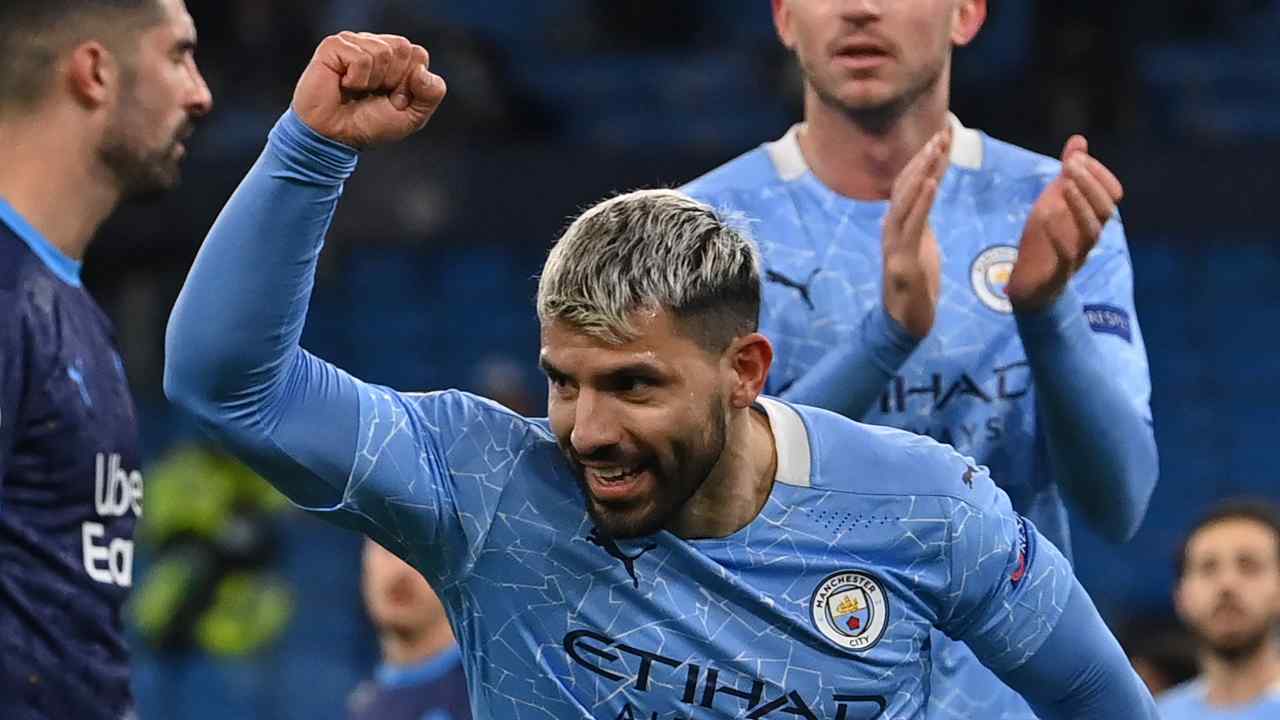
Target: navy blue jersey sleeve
x=1015, y=602
x=365, y=456
x=1093, y=391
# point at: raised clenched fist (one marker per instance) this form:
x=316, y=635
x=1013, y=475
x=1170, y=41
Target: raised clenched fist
x=362, y=89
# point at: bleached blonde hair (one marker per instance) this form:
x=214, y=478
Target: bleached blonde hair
x=647, y=251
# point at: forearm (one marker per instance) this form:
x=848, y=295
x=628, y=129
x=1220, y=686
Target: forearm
x=850, y=377
x=232, y=354
x=1100, y=441
x=1080, y=672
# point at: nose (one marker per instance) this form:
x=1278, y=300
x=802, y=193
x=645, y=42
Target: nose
x=595, y=427
x=863, y=10
x=200, y=101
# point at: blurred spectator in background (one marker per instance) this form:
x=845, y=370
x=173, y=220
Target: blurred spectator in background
x=421, y=675
x=1228, y=594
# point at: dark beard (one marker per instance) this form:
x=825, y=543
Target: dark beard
x=140, y=176
x=1238, y=650
x=878, y=119
x=670, y=494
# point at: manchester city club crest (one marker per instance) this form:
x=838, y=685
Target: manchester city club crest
x=850, y=609
x=990, y=276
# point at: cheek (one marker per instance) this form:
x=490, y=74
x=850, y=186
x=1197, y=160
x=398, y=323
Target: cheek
x=1195, y=599
x=560, y=415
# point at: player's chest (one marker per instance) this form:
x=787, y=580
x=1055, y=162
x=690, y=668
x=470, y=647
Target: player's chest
x=820, y=622
x=77, y=417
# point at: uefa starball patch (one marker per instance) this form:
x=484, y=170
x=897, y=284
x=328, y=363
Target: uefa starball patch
x=851, y=609
x=989, y=276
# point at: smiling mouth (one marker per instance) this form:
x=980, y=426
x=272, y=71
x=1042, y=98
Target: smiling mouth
x=615, y=484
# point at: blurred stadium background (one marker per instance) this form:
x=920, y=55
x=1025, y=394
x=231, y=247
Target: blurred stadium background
x=244, y=609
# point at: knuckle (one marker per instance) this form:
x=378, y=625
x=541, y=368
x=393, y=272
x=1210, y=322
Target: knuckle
x=401, y=46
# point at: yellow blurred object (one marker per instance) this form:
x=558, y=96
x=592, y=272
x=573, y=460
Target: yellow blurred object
x=249, y=610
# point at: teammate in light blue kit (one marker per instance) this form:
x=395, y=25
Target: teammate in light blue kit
x=667, y=544
x=995, y=336
x=1228, y=594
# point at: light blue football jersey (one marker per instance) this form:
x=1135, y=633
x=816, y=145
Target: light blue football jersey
x=1187, y=702
x=968, y=383
x=821, y=607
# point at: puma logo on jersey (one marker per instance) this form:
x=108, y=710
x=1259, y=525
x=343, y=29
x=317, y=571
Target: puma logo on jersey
x=774, y=276
x=77, y=377
x=609, y=545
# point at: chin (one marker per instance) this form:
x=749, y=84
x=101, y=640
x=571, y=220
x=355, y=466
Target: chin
x=626, y=524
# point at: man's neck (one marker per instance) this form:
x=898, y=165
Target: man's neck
x=1238, y=682
x=52, y=179
x=861, y=160
x=735, y=492
x=413, y=648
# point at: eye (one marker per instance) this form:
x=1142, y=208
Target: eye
x=634, y=385
x=560, y=384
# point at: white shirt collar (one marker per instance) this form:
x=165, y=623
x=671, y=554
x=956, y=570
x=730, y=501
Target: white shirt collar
x=792, y=439
x=966, y=150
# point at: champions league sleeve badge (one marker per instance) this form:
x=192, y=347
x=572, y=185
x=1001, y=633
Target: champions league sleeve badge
x=989, y=276
x=850, y=608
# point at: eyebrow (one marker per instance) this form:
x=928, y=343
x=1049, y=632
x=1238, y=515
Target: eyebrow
x=632, y=368
x=548, y=368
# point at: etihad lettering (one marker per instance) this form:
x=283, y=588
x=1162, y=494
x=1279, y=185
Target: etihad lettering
x=1008, y=383
x=116, y=493
x=703, y=687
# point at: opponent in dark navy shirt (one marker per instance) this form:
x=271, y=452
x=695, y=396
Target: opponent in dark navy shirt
x=70, y=489
x=97, y=101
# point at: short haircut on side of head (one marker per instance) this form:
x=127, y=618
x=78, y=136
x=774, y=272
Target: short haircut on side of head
x=33, y=33
x=1263, y=512
x=647, y=251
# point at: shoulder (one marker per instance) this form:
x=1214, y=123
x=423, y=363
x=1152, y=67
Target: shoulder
x=491, y=426
x=748, y=171
x=1003, y=159
x=16, y=262
x=1002, y=176
x=1183, y=701
x=865, y=459
x=362, y=699
x=26, y=290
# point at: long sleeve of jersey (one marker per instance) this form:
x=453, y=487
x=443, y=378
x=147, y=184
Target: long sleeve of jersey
x=1093, y=391
x=850, y=377
x=232, y=353
x=1016, y=603
x=1080, y=672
